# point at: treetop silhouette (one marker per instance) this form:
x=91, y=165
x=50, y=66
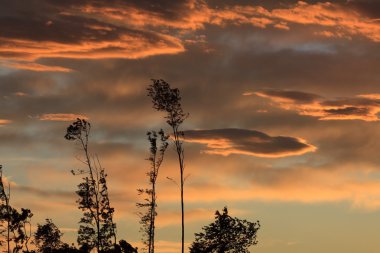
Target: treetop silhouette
x=226, y=235
x=97, y=228
x=165, y=98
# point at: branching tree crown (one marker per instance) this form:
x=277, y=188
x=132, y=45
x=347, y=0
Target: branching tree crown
x=166, y=99
x=226, y=235
x=47, y=237
x=97, y=229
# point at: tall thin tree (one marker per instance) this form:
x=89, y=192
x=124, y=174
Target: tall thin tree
x=97, y=227
x=168, y=99
x=148, y=216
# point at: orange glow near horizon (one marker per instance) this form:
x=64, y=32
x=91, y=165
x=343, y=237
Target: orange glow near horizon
x=61, y=117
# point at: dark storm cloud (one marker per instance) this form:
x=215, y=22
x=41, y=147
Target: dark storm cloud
x=248, y=142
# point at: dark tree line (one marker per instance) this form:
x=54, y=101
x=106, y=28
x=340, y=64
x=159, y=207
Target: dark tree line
x=97, y=229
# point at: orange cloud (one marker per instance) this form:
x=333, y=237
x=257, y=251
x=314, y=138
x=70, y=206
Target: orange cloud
x=5, y=122
x=282, y=26
x=127, y=46
x=341, y=21
x=126, y=30
x=371, y=96
x=196, y=15
x=85, y=38
x=20, y=94
x=37, y=67
x=361, y=107
x=61, y=117
x=248, y=142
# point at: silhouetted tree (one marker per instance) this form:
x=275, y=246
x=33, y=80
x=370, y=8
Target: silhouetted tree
x=4, y=211
x=65, y=248
x=47, y=238
x=148, y=216
x=97, y=228
x=19, y=223
x=15, y=225
x=226, y=235
x=126, y=247
x=166, y=99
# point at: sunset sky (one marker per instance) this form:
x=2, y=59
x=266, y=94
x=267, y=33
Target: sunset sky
x=284, y=103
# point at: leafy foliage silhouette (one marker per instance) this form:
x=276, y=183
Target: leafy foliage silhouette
x=226, y=235
x=147, y=218
x=4, y=211
x=125, y=247
x=47, y=238
x=167, y=99
x=97, y=228
x=15, y=225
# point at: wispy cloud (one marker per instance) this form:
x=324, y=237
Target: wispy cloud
x=248, y=142
x=339, y=19
x=61, y=117
x=5, y=122
x=124, y=45
x=131, y=30
x=308, y=185
x=361, y=107
x=36, y=67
